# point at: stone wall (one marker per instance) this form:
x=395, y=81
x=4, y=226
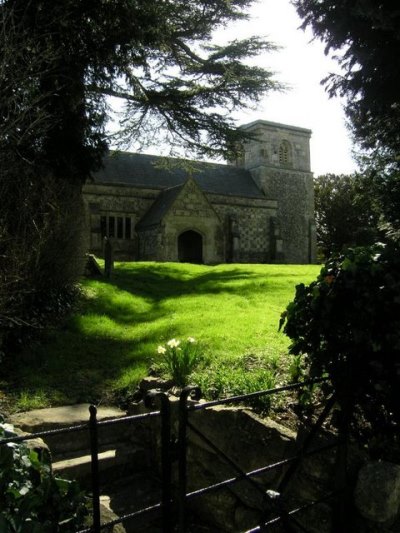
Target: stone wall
x=373, y=492
x=103, y=200
x=150, y=244
x=246, y=223
x=233, y=229
x=295, y=212
x=192, y=211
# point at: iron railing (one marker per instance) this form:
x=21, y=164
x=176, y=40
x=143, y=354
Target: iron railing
x=174, y=501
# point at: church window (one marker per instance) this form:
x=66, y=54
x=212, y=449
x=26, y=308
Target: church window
x=111, y=227
x=285, y=153
x=128, y=228
x=103, y=226
x=118, y=226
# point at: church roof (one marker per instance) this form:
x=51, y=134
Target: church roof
x=160, y=207
x=148, y=171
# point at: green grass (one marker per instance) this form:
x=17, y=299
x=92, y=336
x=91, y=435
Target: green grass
x=111, y=341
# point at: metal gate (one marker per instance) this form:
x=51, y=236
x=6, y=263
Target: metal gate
x=175, y=499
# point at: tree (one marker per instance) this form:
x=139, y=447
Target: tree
x=157, y=56
x=347, y=212
x=366, y=36
x=59, y=62
x=347, y=320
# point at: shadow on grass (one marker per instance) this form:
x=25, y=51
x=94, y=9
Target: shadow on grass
x=155, y=284
x=72, y=368
x=110, y=342
x=158, y=281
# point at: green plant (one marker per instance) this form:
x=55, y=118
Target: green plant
x=32, y=499
x=180, y=358
x=121, y=321
x=346, y=325
x=296, y=370
x=236, y=377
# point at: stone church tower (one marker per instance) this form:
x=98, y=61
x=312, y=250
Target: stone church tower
x=279, y=162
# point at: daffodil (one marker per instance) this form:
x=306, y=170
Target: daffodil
x=173, y=343
x=191, y=340
x=161, y=349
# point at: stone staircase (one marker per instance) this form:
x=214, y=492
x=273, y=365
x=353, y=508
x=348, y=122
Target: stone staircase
x=127, y=481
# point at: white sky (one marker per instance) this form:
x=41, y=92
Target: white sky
x=302, y=65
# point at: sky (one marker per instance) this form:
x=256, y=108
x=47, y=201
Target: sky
x=300, y=63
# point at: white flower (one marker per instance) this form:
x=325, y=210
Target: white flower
x=191, y=340
x=173, y=343
x=161, y=349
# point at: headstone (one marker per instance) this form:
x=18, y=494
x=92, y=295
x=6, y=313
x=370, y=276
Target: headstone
x=108, y=258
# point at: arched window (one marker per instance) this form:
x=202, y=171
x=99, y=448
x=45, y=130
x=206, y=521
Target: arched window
x=285, y=154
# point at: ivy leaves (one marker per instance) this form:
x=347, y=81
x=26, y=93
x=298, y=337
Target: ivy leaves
x=32, y=499
x=346, y=324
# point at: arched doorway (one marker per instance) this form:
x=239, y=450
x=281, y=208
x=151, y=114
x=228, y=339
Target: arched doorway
x=190, y=247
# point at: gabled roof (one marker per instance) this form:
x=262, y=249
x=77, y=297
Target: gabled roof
x=146, y=171
x=160, y=207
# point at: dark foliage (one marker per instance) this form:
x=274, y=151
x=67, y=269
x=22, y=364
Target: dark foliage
x=347, y=212
x=346, y=325
x=32, y=499
x=155, y=56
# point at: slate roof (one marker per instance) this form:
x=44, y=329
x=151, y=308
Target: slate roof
x=160, y=207
x=141, y=170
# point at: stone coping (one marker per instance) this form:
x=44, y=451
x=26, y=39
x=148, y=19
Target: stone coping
x=57, y=417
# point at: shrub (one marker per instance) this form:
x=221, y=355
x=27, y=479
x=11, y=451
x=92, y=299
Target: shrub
x=346, y=325
x=32, y=499
x=180, y=358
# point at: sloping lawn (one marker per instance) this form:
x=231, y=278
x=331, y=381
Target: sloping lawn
x=110, y=342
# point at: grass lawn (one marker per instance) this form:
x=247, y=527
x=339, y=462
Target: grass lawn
x=110, y=342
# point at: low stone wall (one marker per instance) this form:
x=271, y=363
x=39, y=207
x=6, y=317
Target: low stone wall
x=252, y=443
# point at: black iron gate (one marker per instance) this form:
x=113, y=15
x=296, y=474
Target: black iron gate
x=175, y=500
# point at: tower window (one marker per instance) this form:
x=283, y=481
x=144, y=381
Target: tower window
x=285, y=153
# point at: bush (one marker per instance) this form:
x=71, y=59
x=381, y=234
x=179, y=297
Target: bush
x=32, y=499
x=346, y=325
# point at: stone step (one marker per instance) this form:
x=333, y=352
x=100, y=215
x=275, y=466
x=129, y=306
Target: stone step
x=114, y=464
x=71, y=416
x=131, y=494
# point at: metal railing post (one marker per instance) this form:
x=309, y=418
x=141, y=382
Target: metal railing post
x=94, y=452
x=187, y=392
x=166, y=458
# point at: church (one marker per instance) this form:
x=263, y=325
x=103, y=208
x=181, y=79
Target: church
x=259, y=209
